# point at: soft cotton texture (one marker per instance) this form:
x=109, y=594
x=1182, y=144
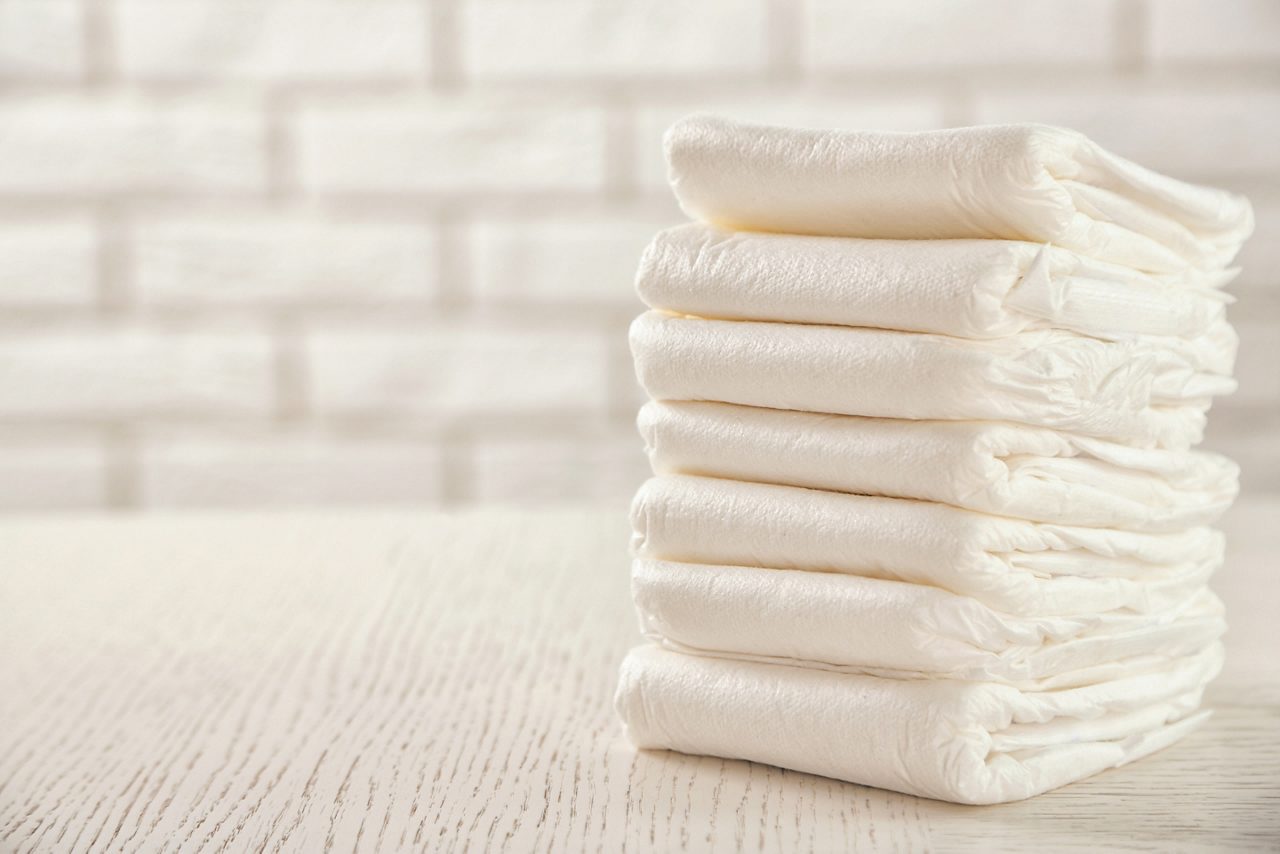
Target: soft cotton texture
x=1014, y=182
x=1006, y=469
x=871, y=625
x=968, y=742
x=1131, y=391
x=965, y=288
x=927, y=515
x=1014, y=566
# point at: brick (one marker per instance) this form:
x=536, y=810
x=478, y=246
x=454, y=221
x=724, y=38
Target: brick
x=540, y=470
x=590, y=260
x=559, y=38
x=423, y=144
x=884, y=35
x=132, y=372
x=40, y=39
x=289, y=258
x=272, y=40
x=1194, y=135
x=445, y=373
x=628, y=394
x=40, y=473
x=797, y=108
x=58, y=145
x=296, y=469
x=48, y=263
x=1213, y=30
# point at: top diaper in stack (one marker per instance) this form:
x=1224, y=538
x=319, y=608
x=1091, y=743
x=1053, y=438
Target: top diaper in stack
x=927, y=513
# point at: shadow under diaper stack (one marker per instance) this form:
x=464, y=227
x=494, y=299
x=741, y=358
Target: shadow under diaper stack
x=927, y=513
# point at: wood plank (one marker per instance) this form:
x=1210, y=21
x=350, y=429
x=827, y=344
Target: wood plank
x=394, y=681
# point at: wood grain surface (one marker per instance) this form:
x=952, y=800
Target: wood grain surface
x=402, y=681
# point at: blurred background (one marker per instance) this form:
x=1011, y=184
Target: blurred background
x=298, y=252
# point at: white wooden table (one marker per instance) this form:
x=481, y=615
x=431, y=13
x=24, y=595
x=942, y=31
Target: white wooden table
x=397, y=681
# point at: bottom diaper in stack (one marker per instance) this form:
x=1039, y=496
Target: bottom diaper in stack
x=968, y=742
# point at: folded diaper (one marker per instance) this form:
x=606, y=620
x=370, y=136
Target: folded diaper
x=1014, y=182
x=893, y=628
x=1128, y=390
x=1023, y=568
x=969, y=742
x=926, y=514
x=1006, y=469
x=965, y=288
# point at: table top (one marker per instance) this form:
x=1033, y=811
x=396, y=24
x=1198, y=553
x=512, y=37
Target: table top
x=388, y=681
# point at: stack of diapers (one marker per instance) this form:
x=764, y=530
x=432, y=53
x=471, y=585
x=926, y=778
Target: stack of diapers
x=927, y=511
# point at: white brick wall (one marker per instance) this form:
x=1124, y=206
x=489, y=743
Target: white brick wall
x=602, y=468
x=61, y=145
x=556, y=38
x=80, y=372
x=290, y=468
x=446, y=373
x=294, y=258
x=51, y=473
x=272, y=40
x=381, y=251
x=1224, y=31
x=562, y=260
x=449, y=144
x=884, y=35
x=48, y=262
x=40, y=38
